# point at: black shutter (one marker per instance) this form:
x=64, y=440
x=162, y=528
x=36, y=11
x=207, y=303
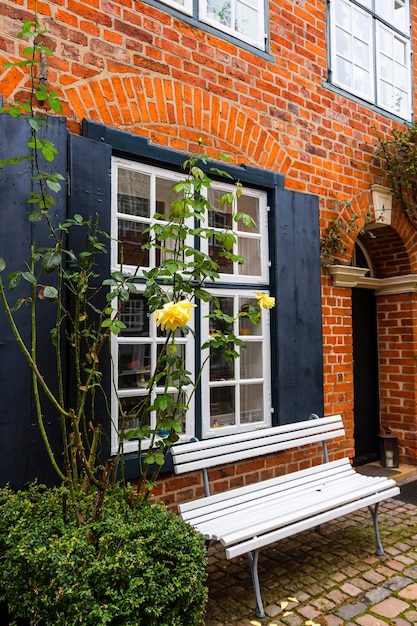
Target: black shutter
x=90, y=195
x=298, y=373
x=22, y=453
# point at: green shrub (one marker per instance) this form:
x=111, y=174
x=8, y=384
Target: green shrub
x=141, y=566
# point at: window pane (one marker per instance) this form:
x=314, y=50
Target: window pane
x=250, y=206
x=225, y=265
x=246, y=327
x=225, y=305
x=246, y=20
x=164, y=196
x=171, y=413
x=251, y=404
x=250, y=250
x=251, y=361
x=134, y=366
x=220, y=369
x=222, y=406
x=162, y=362
x=222, y=215
x=362, y=82
x=343, y=16
x=344, y=72
x=400, y=51
x=220, y=10
x=135, y=317
x=360, y=25
x=133, y=193
x=343, y=44
x=131, y=414
x=131, y=239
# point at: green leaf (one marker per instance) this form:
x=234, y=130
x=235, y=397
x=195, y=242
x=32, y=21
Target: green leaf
x=48, y=154
x=50, y=293
x=53, y=185
x=55, y=104
x=29, y=277
x=41, y=94
x=36, y=123
x=14, y=280
x=51, y=261
x=2, y=264
x=118, y=276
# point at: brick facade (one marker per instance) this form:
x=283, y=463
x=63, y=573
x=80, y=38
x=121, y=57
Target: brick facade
x=136, y=67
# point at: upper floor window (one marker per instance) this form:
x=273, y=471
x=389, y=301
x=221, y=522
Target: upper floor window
x=370, y=52
x=243, y=19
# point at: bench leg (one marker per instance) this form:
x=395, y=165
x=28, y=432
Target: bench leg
x=253, y=563
x=374, y=513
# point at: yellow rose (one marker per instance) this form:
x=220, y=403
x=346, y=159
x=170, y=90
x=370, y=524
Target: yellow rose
x=174, y=315
x=264, y=301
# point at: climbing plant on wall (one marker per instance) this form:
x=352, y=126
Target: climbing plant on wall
x=397, y=157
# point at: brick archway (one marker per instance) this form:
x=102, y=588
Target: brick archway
x=396, y=308
x=174, y=114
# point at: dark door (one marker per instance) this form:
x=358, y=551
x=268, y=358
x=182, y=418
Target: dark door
x=365, y=370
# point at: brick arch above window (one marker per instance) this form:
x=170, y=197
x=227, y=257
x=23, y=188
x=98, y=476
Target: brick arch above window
x=177, y=115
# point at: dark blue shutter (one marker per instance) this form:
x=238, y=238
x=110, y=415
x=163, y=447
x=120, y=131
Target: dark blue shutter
x=22, y=453
x=90, y=195
x=298, y=372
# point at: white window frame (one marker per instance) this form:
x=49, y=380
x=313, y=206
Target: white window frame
x=263, y=335
x=376, y=23
x=246, y=285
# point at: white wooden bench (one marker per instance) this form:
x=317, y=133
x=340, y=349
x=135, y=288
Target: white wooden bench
x=248, y=518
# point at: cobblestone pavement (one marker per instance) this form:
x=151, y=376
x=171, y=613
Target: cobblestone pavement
x=333, y=574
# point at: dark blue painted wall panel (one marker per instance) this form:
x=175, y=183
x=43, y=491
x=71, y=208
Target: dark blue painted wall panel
x=22, y=454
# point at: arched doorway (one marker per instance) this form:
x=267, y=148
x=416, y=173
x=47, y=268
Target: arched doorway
x=385, y=376
x=365, y=364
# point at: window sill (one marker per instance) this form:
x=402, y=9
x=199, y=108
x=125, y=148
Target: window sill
x=365, y=103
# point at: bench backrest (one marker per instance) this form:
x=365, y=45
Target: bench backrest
x=200, y=455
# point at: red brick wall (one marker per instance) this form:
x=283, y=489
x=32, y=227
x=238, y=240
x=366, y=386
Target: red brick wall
x=132, y=66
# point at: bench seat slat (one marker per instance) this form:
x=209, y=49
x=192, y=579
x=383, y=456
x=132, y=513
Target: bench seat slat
x=276, y=514
x=302, y=480
x=303, y=496
x=276, y=508
x=286, y=480
x=276, y=535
